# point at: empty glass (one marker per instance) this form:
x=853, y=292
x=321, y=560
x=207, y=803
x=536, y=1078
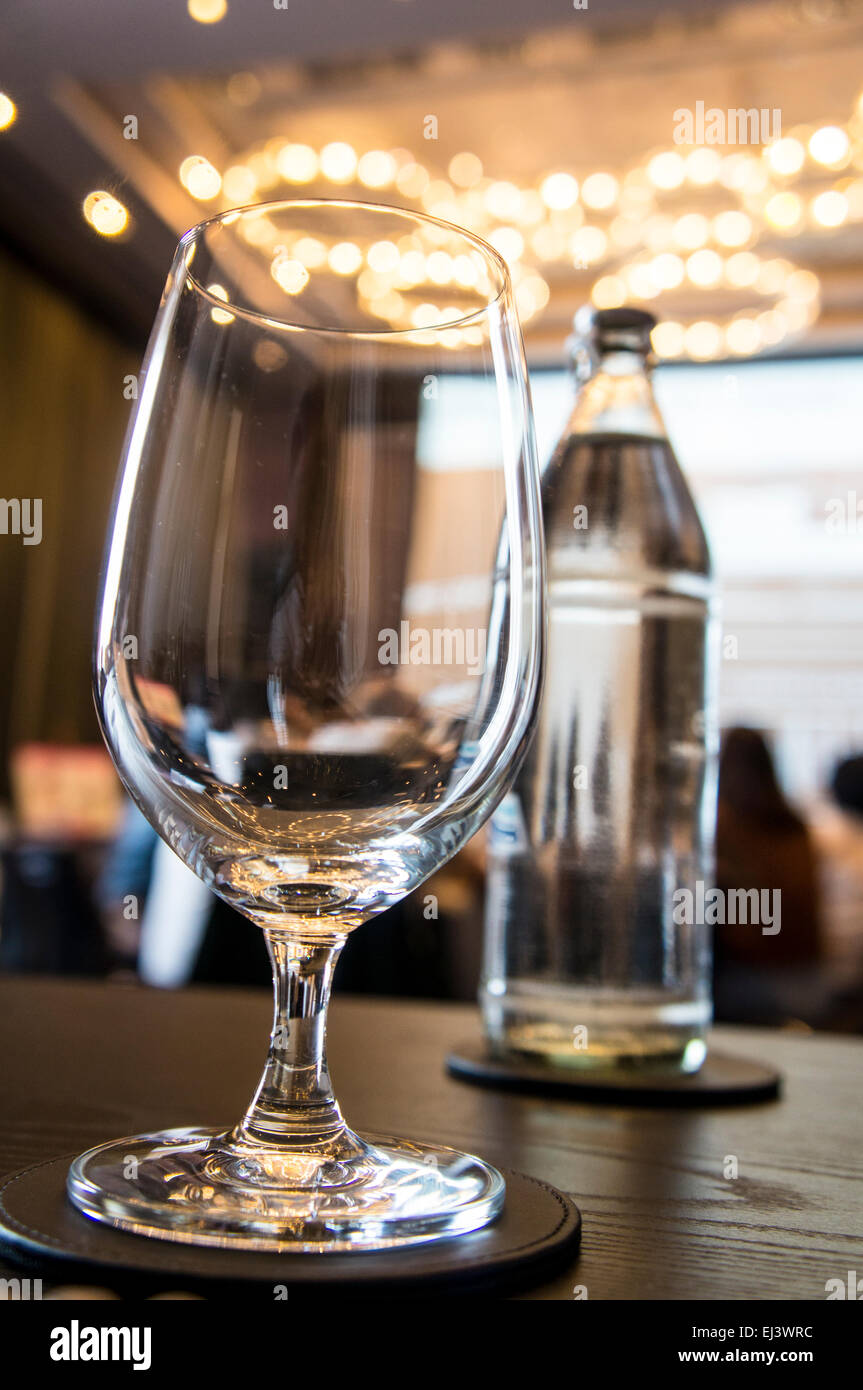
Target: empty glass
x=296, y=671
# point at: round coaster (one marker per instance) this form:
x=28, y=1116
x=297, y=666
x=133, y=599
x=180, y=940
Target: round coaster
x=537, y=1234
x=722, y=1080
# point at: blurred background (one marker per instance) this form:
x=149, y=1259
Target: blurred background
x=703, y=160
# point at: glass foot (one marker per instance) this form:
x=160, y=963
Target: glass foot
x=209, y=1187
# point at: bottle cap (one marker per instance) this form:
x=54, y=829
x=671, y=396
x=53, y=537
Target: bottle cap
x=600, y=331
x=614, y=330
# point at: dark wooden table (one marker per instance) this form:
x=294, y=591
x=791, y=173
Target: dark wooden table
x=80, y=1063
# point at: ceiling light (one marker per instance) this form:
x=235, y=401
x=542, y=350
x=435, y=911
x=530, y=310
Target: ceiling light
x=639, y=278
x=383, y=256
x=667, y=338
x=742, y=270
x=703, y=339
x=265, y=168
x=105, y=213
x=291, y=275
x=389, y=305
x=439, y=267
x=199, y=178
x=465, y=169
x=412, y=180
x=786, y=156
x=732, y=228
x=830, y=209
x=772, y=325
x=829, y=145
x=509, y=242
x=802, y=286
x=588, y=245
x=783, y=211
x=377, y=169
x=534, y=293
x=207, y=11
x=744, y=173
x=772, y=276
x=743, y=336
x=464, y=271
x=425, y=315
x=609, y=292
x=667, y=270
x=412, y=269
x=666, y=170
x=503, y=199
x=704, y=268
x=219, y=315
x=703, y=165
x=691, y=231
x=239, y=184
x=599, y=191
x=438, y=191
x=345, y=258
x=297, y=163
x=311, y=252
x=8, y=111
x=559, y=191
x=338, y=162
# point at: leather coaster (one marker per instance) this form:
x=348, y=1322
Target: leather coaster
x=722, y=1080
x=536, y=1235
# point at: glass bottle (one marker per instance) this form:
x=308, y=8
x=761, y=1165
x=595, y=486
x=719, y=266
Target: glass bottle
x=591, y=958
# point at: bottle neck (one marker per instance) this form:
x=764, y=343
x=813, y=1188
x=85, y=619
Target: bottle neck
x=617, y=398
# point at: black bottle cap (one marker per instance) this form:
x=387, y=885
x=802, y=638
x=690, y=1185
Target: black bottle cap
x=625, y=329
x=599, y=331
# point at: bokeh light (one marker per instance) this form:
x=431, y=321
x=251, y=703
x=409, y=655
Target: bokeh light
x=105, y=213
x=559, y=191
x=199, y=177
x=8, y=111
x=338, y=162
x=207, y=11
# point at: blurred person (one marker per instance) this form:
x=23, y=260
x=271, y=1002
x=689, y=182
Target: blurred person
x=763, y=843
x=837, y=828
x=123, y=883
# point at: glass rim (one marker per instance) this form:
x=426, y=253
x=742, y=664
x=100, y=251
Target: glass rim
x=195, y=235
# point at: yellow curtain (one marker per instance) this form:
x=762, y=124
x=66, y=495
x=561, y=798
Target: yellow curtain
x=62, y=419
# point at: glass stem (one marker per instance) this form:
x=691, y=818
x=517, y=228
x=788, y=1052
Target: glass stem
x=294, y=1106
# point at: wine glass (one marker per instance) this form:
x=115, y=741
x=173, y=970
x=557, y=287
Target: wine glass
x=318, y=662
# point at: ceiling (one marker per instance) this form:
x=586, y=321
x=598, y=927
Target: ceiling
x=529, y=90
x=123, y=38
